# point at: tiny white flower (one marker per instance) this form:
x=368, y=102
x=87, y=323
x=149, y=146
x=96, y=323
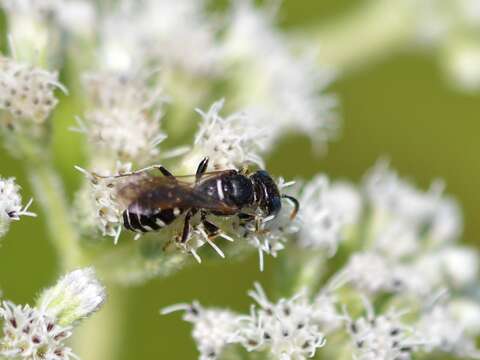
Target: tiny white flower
x=467, y=312
x=75, y=296
x=452, y=266
x=282, y=89
x=460, y=265
x=369, y=272
x=444, y=332
x=272, y=233
x=229, y=142
x=395, y=197
x=106, y=204
x=382, y=336
x=285, y=329
x=33, y=335
x=11, y=204
x=372, y=273
x=325, y=313
x=198, y=237
x=213, y=329
x=325, y=212
x=27, y=92
x=397, y=240
x=124, y=120
x=414, y=212
x=447, y=223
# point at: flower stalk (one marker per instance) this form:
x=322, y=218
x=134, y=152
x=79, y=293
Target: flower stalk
x=48, y=189
x=373, y=30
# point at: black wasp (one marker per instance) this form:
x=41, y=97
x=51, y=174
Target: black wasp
x=154, y=202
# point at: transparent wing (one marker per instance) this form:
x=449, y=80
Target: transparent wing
x=169, y=192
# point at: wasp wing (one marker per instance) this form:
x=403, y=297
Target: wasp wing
x=167, y=193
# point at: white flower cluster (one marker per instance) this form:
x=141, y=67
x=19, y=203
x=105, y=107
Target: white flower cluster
x=445, y=327
x=272, y=233
x=326, y=211
x=402, y=251
x=151, y=33
x=289, y=329
x=40, y=332
x=26, y=92
x=76, y=296
x=124, y=120
x=214, y=329
x=282, y=89
x=76, y=16
x=382, y=337
x=411, y=240
x=453, y=26
x=230, y=142
x=397, y=203
x=106, y=203
x=11, y=204
x=32, y=334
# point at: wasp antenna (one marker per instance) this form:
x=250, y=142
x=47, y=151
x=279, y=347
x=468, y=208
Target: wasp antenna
x=296, y=205
x=177, y=307
x=89, y=174
x=83, y=171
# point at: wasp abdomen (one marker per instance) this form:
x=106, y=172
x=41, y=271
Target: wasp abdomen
x=135, y=220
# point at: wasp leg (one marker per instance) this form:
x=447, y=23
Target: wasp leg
x=245, y=218
x=186, y=225
x=211, y=229
x=202, y=168
x=165, y=172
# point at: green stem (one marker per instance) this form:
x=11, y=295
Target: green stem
x=49, y=193
x=300, y=270
x=370, y=32
x=97, y=338
x=100, y=337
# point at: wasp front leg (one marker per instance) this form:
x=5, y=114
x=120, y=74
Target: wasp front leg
x=165, y=172
x=245, y=221
x=201, y=169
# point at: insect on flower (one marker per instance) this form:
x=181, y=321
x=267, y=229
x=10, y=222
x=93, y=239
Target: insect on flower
x=154, y=202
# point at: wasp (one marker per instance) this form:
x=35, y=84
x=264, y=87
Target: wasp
x=154, y=202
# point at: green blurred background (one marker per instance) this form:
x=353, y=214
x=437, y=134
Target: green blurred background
x=401, y=107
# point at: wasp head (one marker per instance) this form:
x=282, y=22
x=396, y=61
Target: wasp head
x=267, y=195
